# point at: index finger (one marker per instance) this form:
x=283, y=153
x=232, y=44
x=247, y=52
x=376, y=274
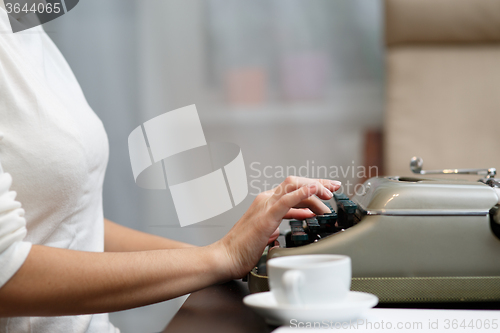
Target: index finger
x=281, y=207
x=292, y=183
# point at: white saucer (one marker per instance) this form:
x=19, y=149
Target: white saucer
x=350, y=308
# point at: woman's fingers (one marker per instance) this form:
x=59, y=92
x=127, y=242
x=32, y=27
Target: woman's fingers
x=314, y=204
x=281, y=207
x=299, y=214
x=324, y=190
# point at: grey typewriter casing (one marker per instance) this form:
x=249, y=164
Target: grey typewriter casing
x=418, y=240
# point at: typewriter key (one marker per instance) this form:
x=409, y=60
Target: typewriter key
x=347, y=209
x=340, y=197
x=312, y=225
x=297, y=236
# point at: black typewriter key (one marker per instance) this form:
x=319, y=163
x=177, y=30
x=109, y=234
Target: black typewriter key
x=327, y=222
x=326, y=218
x=313, y=229
x=349, y=206
x=298, y=235
x=312, y=225
x=340, y=197
x=347, y=209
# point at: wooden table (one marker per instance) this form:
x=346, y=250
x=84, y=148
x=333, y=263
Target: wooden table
x=220, y=309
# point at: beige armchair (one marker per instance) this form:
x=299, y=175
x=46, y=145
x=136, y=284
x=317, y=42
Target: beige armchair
x=443, y=84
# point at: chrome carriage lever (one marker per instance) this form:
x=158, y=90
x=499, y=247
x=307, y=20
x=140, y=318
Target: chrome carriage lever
x=416, y=164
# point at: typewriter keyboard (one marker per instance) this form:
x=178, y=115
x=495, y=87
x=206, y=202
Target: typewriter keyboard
x=314, y=229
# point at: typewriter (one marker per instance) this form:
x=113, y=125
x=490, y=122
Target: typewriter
x=410, y=239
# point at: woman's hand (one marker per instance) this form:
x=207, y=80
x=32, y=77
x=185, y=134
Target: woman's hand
x=242, y=247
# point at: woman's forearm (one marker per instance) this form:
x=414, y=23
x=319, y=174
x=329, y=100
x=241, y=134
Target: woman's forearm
x=55, y=282
x=118, y=238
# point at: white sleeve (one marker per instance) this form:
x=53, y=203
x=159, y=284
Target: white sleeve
x=13, y=250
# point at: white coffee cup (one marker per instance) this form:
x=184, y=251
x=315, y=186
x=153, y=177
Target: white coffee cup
x=314, y=279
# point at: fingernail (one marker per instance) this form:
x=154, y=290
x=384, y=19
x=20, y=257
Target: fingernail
x=309, y=211
x=335, y=182
x=330, y=194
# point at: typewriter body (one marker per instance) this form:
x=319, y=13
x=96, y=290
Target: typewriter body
x=411, y=239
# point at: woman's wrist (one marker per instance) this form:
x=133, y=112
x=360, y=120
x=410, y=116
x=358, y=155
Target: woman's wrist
x=222, y=261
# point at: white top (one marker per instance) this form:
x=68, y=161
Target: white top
x=55, y=151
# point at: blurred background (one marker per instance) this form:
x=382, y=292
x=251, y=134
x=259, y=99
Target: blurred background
x=295, y=83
